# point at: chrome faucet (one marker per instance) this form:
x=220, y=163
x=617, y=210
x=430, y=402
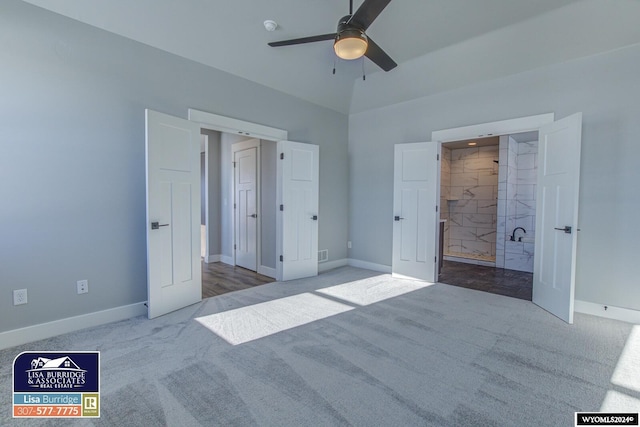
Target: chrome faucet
x=513, y=235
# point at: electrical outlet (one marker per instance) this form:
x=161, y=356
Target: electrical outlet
x=349, y=244
x=19, y=296
x=83, y=286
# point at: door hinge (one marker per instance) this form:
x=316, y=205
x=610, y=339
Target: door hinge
x=281, y=156
x=436, y=208
x=437, y=156
x=281, y=258
x=435, y=259
x=234, y=164
x=234, y=206
x=281, y=207
x=234, y=247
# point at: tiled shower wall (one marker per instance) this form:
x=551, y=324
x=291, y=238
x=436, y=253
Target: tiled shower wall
x=468, y=198
x=445, y=190
x=516, y=203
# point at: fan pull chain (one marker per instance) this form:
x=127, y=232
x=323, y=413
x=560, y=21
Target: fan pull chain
x=363, y=76
x=334, y=66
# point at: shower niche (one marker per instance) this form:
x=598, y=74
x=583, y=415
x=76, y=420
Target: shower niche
x=488, y=200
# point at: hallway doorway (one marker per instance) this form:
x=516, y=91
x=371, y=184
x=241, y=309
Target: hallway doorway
x=219, y=278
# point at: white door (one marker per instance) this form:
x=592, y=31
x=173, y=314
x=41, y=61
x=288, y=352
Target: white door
x=246, y=207
x=297, y=200
x=174, y=277
x=415, y=200
x=557, y=216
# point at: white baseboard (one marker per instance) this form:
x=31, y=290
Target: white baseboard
x=330, y=265
x=70, y=324
x=267, y=271
x=226, y=259
x=212, y=258
x=611, y=312
x=369, y=265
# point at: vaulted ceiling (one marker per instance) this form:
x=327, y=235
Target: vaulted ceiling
x=230, y=36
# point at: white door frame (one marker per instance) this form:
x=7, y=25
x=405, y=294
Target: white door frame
x=503, y=127
x=230, y=125
x=235, y=147
x=236, y=126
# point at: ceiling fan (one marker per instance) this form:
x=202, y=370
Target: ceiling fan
x=350, y=40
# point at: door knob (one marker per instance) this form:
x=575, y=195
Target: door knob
x=397, y=218
x=315, y=217
x=566, y=229
x=253, y=215
x=156, y=225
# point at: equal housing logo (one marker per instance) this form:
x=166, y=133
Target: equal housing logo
x=56, y=384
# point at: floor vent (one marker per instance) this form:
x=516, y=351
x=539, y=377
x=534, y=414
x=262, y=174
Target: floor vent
x=323, y=255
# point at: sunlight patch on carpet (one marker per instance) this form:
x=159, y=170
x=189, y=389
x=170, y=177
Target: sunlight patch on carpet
x=372, y=290
x=260, y=320
x=627, y=372
x=619, y=402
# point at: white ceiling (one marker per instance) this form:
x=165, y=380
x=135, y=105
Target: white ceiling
x=229, y=35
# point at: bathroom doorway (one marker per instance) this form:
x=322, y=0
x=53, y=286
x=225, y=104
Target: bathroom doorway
x=488, y=204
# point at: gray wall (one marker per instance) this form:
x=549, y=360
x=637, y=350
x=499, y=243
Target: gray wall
x=268, y=158
x=72, y=168
x=203, y=208
x=214, y=191
x=604, y=87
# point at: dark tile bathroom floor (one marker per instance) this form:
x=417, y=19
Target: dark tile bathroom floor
x=511, y=283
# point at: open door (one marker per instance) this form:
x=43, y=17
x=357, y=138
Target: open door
x=297, y=219
x=557, y=216
x=415, y=200
x=174, y=276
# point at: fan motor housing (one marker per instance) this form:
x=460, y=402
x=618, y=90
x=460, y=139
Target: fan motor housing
x=347, y=29
x=344, y=24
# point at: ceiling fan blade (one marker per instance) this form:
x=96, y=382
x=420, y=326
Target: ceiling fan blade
x=379, y=57
x=302, y=40
x=368, y=12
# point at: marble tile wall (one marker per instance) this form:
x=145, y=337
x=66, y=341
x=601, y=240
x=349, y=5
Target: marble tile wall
x=471, y=206
x=445, y=190
x=445, y=180
x=503, y=171
x=516, y=204
x=507, y=188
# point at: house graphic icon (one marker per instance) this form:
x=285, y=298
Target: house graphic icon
x=60, y=364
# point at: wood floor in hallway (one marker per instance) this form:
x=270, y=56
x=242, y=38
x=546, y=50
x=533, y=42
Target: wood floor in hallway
x=219, y=278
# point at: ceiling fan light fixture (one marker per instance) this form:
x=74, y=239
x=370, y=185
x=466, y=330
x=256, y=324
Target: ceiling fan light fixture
x=350, y=44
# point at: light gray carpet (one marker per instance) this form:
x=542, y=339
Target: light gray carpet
x=436, y=355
